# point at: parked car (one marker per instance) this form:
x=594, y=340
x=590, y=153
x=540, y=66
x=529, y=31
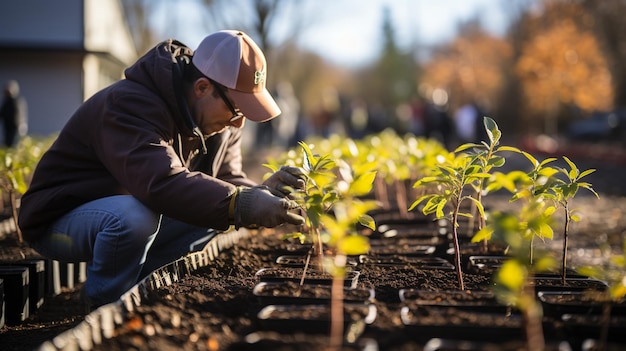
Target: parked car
x=600, y=126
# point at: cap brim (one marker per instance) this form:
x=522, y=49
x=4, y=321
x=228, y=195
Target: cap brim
x=257, y=107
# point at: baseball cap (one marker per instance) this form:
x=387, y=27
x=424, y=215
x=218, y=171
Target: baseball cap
x=233, y=59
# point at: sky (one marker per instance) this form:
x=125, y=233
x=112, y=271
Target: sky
x=349, y=32
x=352, y=34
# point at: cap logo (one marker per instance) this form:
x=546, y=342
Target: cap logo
x=259, y=77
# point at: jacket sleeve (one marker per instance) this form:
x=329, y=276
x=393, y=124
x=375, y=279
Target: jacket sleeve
x=230, y=165
x=140, y=156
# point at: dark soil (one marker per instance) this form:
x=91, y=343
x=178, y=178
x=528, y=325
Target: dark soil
x=214, y=308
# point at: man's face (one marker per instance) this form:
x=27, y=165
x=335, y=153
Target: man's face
x=212, y=109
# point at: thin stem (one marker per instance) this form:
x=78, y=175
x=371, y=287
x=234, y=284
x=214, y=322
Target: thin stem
x=14, y=212
x=306, y=267
x=401, y=198
x=336, y=313
x=457, y=248
x=605, y=320
x=565, y=239
x=532, y=319
x=319, y=249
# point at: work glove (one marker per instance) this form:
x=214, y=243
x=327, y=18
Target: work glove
x=286, y=179
x=258, y=207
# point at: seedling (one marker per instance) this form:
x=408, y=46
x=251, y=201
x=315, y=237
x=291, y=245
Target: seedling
x=512, y=279
x=448, y=182
x=16, y=167
x=331, y=201
x=469, y=166
x=486, y=155
x=563, y=192
x=613, y=272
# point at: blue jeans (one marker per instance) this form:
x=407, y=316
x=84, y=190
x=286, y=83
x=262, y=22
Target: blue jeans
x=122, y=241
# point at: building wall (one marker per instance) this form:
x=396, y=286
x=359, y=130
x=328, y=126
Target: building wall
x=51, y=87
x=61, y=52
x=43, y=23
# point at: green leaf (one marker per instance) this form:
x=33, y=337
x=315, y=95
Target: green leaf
x=496, y=161
x=532, y=160
x=492, y=130
x=573, y=173
x=588, y=271
x=353, y=245
x=512, y=149
x=273, y=168
x=504, y=181
x=546, y=161
x=512, y=274
x=367, y=221
x=420, y=200
x=546, y=231
x=466, y=146
x=544, y=264
x=362, y=185
x=483, y=234
x=425, y=180
x=295, y=235
x=479, y=206
x=307, y=161
x=586, y=173
x=549, y=211
x=440, y=206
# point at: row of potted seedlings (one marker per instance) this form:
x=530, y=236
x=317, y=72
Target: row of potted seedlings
x=519, y=291
x=401, y=222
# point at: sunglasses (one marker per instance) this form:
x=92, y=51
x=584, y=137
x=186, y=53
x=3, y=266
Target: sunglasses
x=222, y=93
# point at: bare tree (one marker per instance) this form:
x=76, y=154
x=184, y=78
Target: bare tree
x=137, y=14
x=611, y=28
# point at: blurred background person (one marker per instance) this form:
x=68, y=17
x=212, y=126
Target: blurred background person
x=14, y=113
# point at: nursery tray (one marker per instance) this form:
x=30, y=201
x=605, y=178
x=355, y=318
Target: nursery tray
x=272, y=340
x=585, y=326
x=407, y=231
x=480, y=301
x=421, y=262
x=290, y=292
x=299, y=261
x=426, y=322
x=412, y=250
x=407, y=241
x=557, y=303
x=553, y=283
x=488, y=264
x=451, y=344
x=313, y=276
x=312, y=318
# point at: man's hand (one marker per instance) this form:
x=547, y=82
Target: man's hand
x=285, y=180
x=257, y=207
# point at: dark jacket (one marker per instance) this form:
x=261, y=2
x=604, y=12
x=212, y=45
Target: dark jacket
x=137, y=137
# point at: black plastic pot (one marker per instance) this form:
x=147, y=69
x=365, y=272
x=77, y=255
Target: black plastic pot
x=588, y=326
x=299, y=261
x=421, y=262
x=480, y=301
x=290, y=292
x=269, y=340
x=312, y=276
x=448, y=344
x=554, y=283
x=313, y=318
x=426, y=322
x=558, y=303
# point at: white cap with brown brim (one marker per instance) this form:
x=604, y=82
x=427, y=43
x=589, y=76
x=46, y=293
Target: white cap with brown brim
x=233, y=59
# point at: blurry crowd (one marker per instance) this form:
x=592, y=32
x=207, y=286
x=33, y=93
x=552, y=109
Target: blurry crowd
x=428, y=116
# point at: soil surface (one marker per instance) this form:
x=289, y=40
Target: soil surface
x=214, y=308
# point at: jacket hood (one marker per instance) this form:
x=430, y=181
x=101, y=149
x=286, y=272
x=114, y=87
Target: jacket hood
x=161, y=69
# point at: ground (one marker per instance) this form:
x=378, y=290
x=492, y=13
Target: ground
x=603, y=221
